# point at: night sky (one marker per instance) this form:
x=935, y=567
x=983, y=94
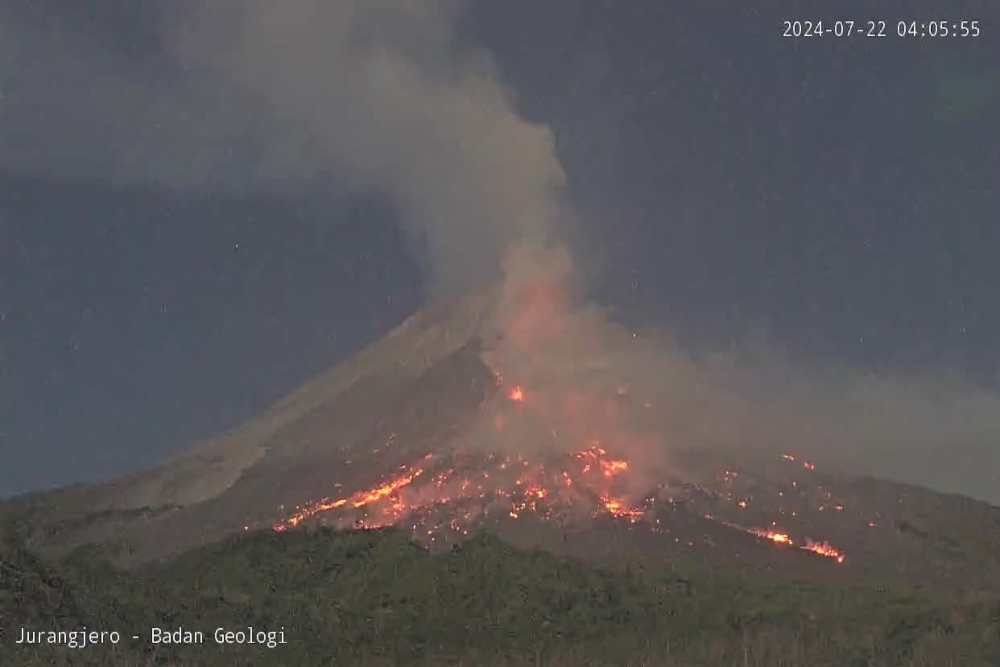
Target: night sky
x=839, y=196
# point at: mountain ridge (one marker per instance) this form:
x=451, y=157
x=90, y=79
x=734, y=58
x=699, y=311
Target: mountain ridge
x=568, y=461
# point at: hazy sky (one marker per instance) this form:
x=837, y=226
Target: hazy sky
x=190, y=224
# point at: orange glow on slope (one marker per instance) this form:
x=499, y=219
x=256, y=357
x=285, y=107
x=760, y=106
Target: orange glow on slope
x=593, y=452
x=466, y=486
x=524, y=486
x=596, y=454
x=538, y=308
x=359, y=499
x=819, y=548
x=824, y=549
x=774, y=536
x=620, y=510
x=613, y=467
x=515, y=487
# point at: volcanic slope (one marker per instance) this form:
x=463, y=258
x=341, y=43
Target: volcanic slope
x=459, y=421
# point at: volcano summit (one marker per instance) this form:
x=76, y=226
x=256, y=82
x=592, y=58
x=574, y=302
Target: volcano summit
x=514, y=413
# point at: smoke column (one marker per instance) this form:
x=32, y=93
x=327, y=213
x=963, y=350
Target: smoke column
x=382, y=91
x=364, y=95
x=383, y=96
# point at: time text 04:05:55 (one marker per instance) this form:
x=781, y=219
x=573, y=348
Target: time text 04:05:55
x=880, y=28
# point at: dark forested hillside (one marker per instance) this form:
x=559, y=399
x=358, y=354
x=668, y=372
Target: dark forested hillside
x=376, y=598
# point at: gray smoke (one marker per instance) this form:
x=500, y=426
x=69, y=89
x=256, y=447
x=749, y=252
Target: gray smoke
x=372, y=95
x=643, y=395
x=380, y=95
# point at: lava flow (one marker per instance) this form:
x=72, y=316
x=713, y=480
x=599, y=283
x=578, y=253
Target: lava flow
x=499, y=485
x=824, y=549
x=619, y=510
x=476, y=487
x=359, y=499
x=774, y=536
x=778, y=537
x=464, y=488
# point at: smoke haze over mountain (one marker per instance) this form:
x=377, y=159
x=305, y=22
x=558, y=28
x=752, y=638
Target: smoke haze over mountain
x=377, y=95
x=385, y=97
x=643, y=394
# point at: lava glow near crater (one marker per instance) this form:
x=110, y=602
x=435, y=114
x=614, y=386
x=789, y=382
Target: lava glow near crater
x=444, y=496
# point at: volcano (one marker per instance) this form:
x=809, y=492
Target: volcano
x=510, y=412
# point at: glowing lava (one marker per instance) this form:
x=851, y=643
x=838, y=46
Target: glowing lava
x=774, y=536
x=475, y=488
x=613, y=467
x=516, y=394
x=824, y=549
x=618, y=509
x=524, y=487
x=359, y=499
x=596, y=455
x=785, y=539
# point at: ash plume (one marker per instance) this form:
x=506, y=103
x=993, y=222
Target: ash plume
x=645, y=396
x=379, y=95
x=368, y=95
x=383, y=91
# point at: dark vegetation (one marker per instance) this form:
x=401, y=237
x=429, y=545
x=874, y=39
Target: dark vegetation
x=375, y=598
